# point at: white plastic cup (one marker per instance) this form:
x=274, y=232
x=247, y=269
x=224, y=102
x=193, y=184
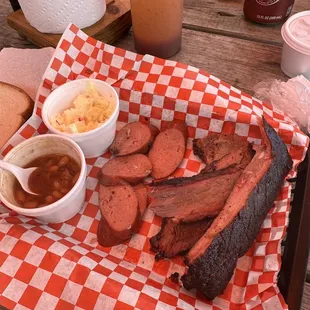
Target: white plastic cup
x=95, y=142
x=21, y=155
x=295, y=54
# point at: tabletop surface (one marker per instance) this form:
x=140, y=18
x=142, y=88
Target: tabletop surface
x=216, y=38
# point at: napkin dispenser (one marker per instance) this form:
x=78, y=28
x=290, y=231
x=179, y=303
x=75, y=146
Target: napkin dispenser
x=54, y=16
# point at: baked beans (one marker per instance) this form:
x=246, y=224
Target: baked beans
x=54, y=178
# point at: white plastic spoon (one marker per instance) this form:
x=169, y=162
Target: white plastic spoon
x=21, y=174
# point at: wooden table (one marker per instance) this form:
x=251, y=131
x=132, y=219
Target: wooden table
x=218, y=39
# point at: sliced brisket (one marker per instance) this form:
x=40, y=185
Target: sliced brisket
x=213, y=258
x=193, y=198
x=190, y=199
x=176, y=238
x=220, y=151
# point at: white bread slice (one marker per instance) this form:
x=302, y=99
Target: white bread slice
x=15, y=108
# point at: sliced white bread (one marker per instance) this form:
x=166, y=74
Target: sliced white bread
x=15, y=108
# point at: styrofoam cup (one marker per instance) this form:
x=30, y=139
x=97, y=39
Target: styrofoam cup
x=94, y=142
x=296, y=53
x=21, y=155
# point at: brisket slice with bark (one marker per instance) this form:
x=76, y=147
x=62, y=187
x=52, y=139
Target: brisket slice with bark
x=176, y=238
x=214, y=257
x=220, y=151
x=193, y=198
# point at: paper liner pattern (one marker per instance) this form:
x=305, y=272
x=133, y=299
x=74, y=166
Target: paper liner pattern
x=61, y=265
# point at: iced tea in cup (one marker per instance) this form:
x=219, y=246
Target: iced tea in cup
x=157, y=26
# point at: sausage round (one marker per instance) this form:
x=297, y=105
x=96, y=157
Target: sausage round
x=179, y=125
x=168, y=149
x=120, y=214
x=141, y=193
x=132, y=169
x=154, y=133
x=134, y=138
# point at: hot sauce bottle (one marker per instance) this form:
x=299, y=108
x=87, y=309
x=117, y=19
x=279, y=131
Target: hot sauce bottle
x=268, y=11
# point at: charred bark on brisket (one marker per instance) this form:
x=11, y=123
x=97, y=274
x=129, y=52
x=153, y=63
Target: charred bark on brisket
x=213, y=269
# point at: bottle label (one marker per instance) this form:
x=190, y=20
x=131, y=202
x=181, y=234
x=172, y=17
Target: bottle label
x=267, y=2
x=269, y=18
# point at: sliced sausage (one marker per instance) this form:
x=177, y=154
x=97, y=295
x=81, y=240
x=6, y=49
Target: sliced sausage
x=168, y=149
x=154, y=132
x=142, y=197
x=134, y=138
x=132, y=169
x=177, y=124
x=120, y=214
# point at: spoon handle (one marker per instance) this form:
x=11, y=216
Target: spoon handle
x=9, y=167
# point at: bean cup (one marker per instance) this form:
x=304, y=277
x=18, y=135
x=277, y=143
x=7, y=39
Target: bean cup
x=21, y=155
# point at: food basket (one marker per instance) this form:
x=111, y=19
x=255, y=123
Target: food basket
x=62, y=266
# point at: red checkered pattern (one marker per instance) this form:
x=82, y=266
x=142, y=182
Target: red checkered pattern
x=62, y=266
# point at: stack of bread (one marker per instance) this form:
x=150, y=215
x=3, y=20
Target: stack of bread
x=16, y=107
x=20, y=76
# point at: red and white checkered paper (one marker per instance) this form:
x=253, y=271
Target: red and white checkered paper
x=62, y=266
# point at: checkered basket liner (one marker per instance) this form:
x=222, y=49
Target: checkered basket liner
x=61, y=266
